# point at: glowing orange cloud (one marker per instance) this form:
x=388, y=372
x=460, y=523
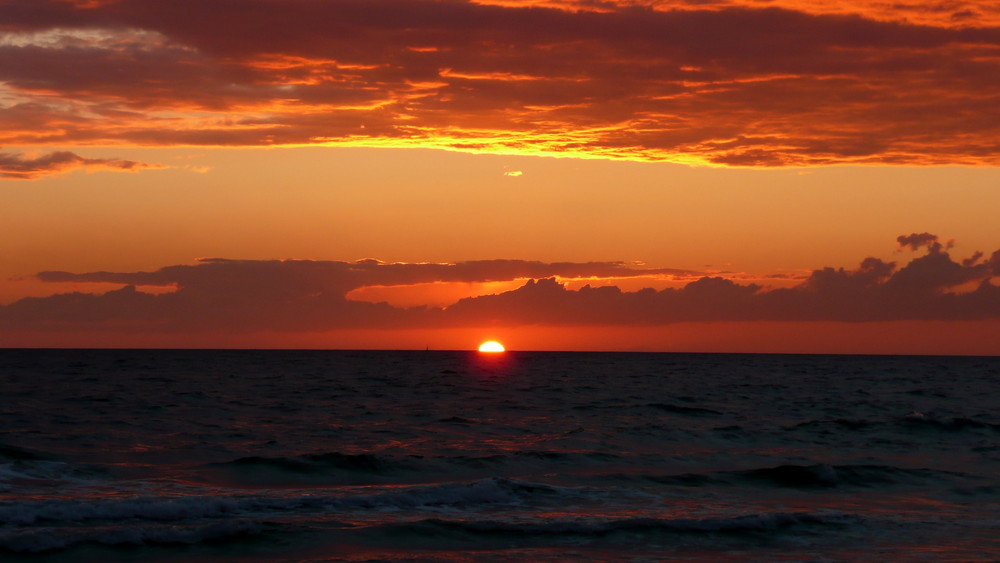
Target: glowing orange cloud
x=722, y=83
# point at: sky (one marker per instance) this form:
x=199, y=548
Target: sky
x=665, y=175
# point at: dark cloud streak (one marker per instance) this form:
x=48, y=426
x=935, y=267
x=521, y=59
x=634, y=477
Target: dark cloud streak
x=20, y=167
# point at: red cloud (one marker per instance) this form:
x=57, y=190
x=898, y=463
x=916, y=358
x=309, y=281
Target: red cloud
x=711, y=82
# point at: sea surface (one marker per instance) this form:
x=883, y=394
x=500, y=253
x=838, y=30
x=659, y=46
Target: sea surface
x=133, y=455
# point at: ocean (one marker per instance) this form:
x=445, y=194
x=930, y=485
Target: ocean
x=207, y=455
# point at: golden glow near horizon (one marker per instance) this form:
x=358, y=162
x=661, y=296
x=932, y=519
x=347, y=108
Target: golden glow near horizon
x=492, y=346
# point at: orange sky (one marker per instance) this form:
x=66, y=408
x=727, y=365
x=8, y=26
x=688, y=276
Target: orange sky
x=624, y=144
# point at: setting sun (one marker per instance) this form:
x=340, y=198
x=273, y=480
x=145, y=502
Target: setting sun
x=491, y=346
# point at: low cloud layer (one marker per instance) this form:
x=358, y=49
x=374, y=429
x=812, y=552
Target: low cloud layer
x=20, y=167
x=724, y=82
x=246, y=296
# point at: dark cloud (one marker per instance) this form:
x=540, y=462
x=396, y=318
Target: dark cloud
x=875, y=291
x=916, y=241
x=946, y=14
x=291, y=295
x=21, y=167
x=723, y=82
x=265, y=277
x=248, y=295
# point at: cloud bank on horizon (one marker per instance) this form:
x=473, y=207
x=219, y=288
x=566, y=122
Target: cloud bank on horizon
x=303, y=295
x=717, y=82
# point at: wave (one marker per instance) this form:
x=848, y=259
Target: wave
x=27, y=474
x=437, y=531
x=14, y=453
x=48, y=539
x=602, y=528
x=364, y=469
x=24, y=469
x=456, y=420
x=914, y=421
x=331, y=468
x=320, y=463
x=682, y=410
x=818, y=475
x=838, y=423
x=491, y=491
x=521, y=457
x=921, y=421
x=663, y=407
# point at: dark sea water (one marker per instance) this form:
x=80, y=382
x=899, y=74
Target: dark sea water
x=110, y=455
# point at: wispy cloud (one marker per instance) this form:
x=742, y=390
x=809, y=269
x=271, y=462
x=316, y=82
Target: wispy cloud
x=21, y=167
x=721, y=82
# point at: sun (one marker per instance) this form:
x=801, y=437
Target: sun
x=491, y=346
